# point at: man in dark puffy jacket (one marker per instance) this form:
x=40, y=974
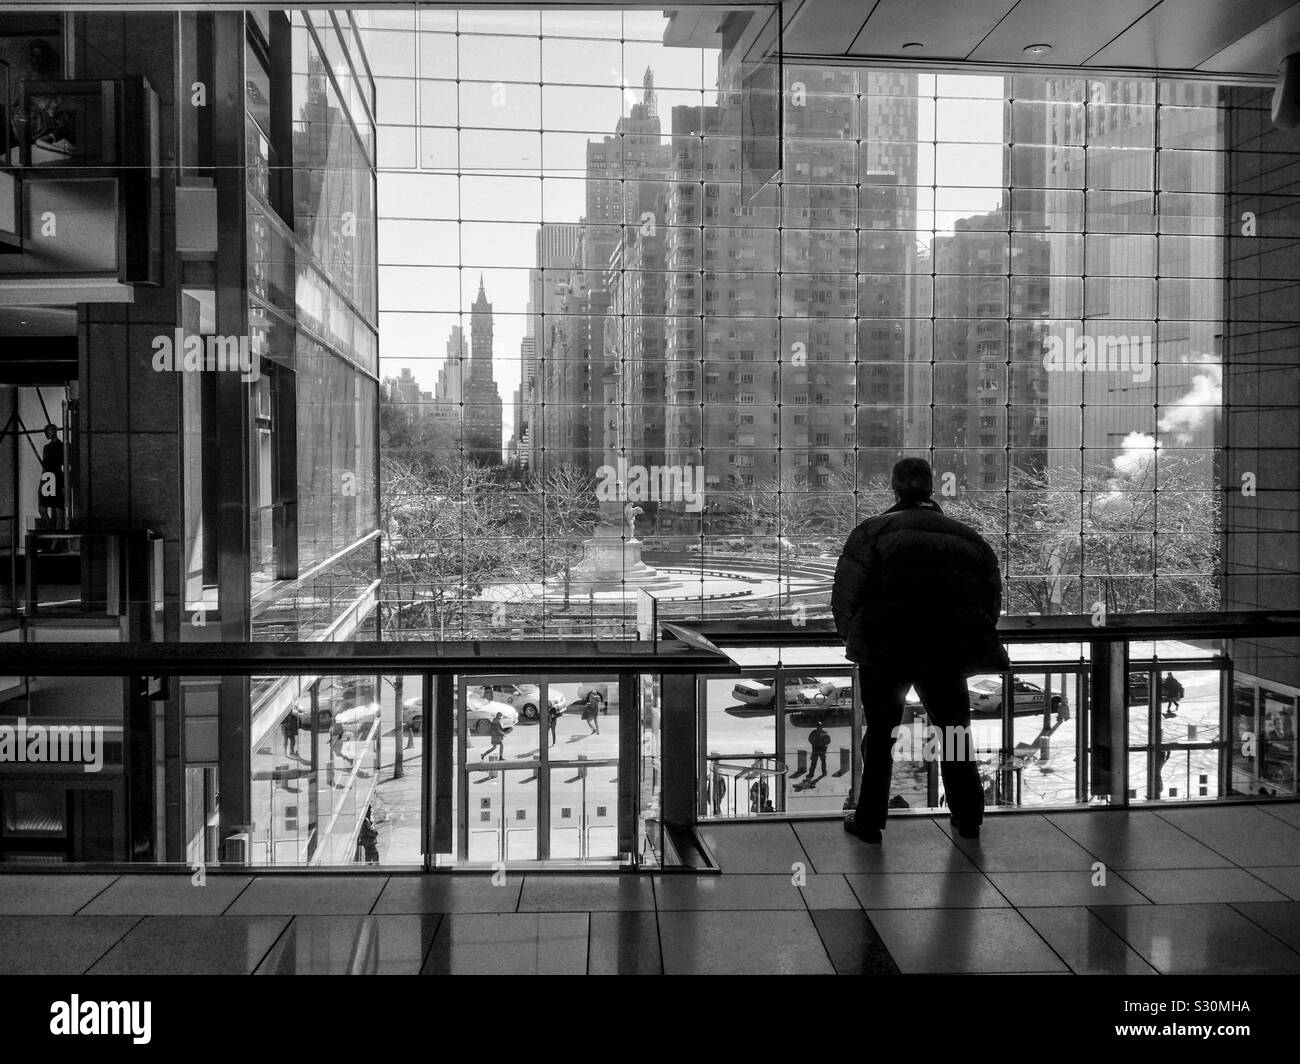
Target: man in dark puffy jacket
x=916, y=600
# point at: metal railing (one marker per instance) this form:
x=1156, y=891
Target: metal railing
x=1109, y=745
x=1087, y=713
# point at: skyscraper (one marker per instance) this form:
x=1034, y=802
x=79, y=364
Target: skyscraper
x=482, y=409
x=548, y=383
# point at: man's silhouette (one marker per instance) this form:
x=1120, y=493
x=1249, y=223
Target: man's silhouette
x=916, y=600
x=818, y=740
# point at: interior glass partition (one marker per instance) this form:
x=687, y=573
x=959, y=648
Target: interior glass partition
x=780, y=737
x=1031, y=732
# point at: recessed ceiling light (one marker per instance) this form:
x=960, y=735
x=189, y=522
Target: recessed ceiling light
x=1038, y=49
x=913, y=44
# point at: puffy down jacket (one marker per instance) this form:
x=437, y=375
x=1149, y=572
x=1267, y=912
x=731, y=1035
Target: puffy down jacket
x=915, y=590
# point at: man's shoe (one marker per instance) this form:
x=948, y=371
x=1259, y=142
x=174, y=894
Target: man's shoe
x=964, y=831
x=861, y=831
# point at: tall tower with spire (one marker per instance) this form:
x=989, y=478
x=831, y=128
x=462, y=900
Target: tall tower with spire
x=482, y=420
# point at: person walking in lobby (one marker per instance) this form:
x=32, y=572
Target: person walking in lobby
x=916, y=600
x=1172, y=693
x=819, y=739
x=497, y=733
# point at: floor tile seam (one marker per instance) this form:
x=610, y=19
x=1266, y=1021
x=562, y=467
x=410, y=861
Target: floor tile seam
x=1133, y=886
x=1268, y=931
x=1090, y=852
x=1012, y=907
x=1202, y=842
x=229, y=905
x=98, y=894
x=1285, y=896
x=274, y=942
x=659, y=931
x=802, y=848
x=114, y=944
x=1268, y=808
x=1120, y=938
x=379, y=894
x=428, y=950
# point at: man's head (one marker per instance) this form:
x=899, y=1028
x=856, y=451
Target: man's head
x=51, y=431
x=912, y=480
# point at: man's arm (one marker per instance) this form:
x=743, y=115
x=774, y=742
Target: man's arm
x=992, y=583
x=852, y=574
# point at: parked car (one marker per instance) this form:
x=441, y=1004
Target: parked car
x=358, y=722
x=1139, y=693
x=413, y=714
x=986, y=696
x=799, y=691
x=481, y=711
x=835, y=709
x=526, y=697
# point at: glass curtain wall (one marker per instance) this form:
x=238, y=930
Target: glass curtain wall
x=622, y=358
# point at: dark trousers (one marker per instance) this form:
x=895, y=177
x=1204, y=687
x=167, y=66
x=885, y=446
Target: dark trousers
x=817, y=755
x=947, y=704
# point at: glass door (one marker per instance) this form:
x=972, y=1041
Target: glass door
x=539, y=768
x=1176, y=739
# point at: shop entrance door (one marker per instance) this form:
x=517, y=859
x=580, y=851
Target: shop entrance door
x=538, y=760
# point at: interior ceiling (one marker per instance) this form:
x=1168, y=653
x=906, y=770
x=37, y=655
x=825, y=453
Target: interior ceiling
x=1230, y=37
x=38, y=321
x=1209, y=36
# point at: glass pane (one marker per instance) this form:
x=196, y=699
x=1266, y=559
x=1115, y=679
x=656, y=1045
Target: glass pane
x=650, y=815
x=819, y=710
x=739, y=738
x=502, y=814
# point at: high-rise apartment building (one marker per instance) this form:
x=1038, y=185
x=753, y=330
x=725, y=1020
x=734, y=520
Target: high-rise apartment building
x=549, y=380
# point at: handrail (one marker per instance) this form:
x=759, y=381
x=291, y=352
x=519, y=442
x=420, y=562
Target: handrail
x=1061, y=628
x=559, y=656
x=227, y=659
x=272, y=593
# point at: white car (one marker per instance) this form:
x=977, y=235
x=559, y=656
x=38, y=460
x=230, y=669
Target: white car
x=799, y=691
x=526, y=697
x=481, y=711
x=357, y=718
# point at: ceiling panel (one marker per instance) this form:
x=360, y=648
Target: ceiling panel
x=948, y=29
x=1073, y=28
x=1182, y=34
x=1262, y=50
x=825, y=27
x=38, y=321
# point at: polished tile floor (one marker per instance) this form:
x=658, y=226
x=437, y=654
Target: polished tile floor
x=1188, y=890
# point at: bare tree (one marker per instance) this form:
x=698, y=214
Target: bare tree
x=1143, y=535
x=446, y=539
x=562, y=516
